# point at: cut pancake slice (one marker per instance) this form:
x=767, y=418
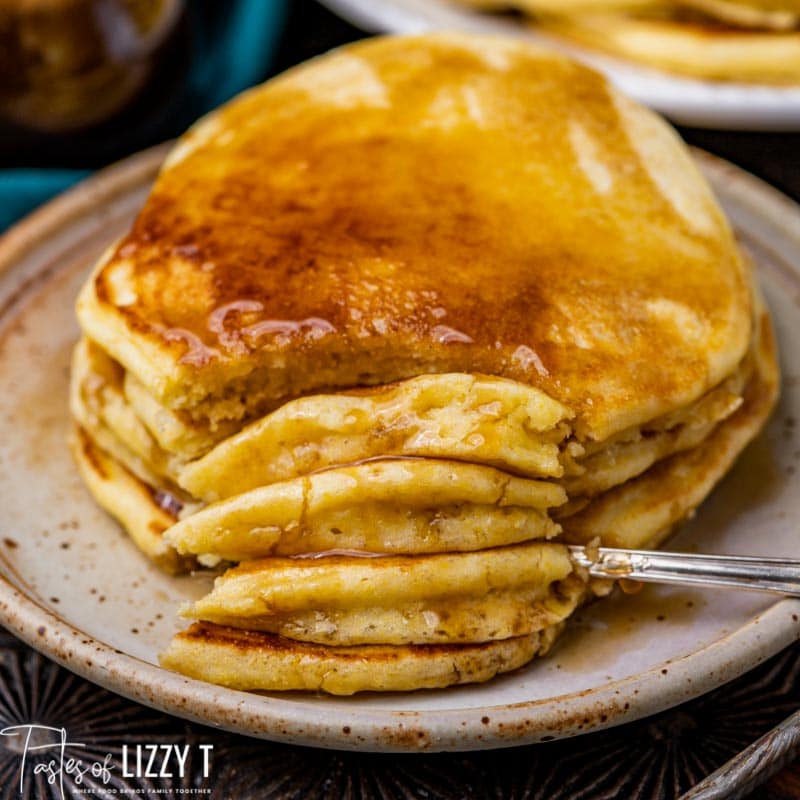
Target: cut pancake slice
x=391, y=506
x=131, y=501
x=346, y=600
x=250, y=660
x=249, y=520
x=455, y=416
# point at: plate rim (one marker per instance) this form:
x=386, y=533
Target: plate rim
x=383, y=730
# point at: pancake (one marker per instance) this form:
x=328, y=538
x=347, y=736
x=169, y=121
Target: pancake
x=501, y=615
x=391, y=329
x=697, y=47
x=760, y=14
x=736, y=40
x=344, y=600
x=561, y=6
x=306, y=225
x=253, y=660
x=468, y=417
x=408, y=505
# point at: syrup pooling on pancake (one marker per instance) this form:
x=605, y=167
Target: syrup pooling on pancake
x=441, y=301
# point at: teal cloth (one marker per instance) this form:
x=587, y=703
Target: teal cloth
x=22, y=190
x=233, y=56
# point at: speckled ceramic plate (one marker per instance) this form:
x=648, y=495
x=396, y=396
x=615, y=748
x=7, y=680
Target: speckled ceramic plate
x=688, y=101
x=76, y=589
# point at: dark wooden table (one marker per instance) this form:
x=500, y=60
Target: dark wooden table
x=660, y=757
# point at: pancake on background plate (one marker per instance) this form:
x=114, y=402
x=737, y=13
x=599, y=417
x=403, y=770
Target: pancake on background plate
x=752, y=41
x=388, y=332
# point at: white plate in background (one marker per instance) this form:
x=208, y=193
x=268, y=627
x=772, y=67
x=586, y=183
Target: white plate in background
x=687, y=101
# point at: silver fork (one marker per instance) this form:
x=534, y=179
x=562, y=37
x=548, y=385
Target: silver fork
x=776, y=575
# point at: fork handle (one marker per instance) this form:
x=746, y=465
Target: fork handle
x=775, y=575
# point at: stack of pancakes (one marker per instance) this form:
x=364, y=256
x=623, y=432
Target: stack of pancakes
x=388, y=332
x=736, y=40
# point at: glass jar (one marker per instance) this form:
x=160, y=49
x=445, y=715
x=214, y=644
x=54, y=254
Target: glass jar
x=66, y=65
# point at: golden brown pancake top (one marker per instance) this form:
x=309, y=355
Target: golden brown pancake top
x=468, y=204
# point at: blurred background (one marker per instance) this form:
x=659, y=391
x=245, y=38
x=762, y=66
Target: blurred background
x=83, y=83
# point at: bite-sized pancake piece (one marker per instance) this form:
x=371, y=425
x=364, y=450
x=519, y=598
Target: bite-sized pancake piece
x=641, y=513
x=393, y=506
x=128, y=500
x=252, y=660
x=454, y=597
x=467, y=417
x=411, y=205
x=702, y=49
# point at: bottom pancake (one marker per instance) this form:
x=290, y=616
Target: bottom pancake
x=248, y=660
